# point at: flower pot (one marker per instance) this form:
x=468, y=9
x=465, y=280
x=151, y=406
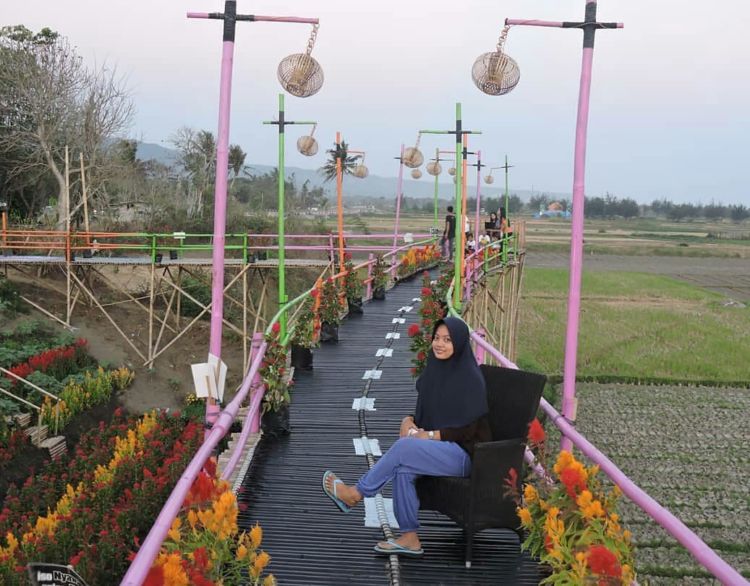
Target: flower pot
x=302, y=358
x=378, y=293
x=355, y=306
x=329, y=333
x=276, y=423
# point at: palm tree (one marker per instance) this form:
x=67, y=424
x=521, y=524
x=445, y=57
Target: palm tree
x=236, y=161
x=348, y=163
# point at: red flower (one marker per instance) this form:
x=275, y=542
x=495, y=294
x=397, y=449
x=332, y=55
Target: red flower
x=276, y=327
x=314, y=293
x=201, y=557
x=536, y=432
x=413, y=330
x=76, y=558
x=421, y=355
x=155, y=576
x=426, y=291
x=573, y=481
x=347, y=256
x=413, y=371
x=603, y=562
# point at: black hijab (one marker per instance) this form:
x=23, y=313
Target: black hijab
x=452, y=392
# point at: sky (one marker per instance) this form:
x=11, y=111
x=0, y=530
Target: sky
x=669, y=99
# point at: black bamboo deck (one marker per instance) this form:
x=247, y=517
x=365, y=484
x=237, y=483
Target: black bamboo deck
x=310, y=541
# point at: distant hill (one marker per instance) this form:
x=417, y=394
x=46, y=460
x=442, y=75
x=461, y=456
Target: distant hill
x=371, y=186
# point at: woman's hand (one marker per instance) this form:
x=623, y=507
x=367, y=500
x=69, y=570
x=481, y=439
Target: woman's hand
x=422, y=434
x=407, y=423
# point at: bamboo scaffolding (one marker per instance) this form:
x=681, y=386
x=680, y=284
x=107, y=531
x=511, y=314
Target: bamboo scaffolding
x=109, y=317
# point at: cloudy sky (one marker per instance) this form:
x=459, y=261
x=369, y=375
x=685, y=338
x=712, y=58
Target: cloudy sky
x=669, y=111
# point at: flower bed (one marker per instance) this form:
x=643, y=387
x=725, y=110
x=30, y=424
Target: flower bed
x=108, y=506
x=76, y=397
x=56, y=363
x=431, y=309
x=417, y=258
x=572, y=523
x=204, y=546
x=28, y=339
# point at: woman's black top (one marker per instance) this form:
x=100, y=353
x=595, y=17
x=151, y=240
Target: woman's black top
x=467, y=436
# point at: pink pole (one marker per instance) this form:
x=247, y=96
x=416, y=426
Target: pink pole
x=479, y=195
x=576, y=247
x=220, y=199
x=399, y=190
x=371, y=259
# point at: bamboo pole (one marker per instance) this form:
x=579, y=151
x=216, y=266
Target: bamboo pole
x=45, y=312
x=85, y=202
x=112, y=321
x=164, y=323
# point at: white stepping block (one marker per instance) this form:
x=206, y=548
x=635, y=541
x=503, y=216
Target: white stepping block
x=398, y=320
x=364, y=404
x=417, y=299
x=387, y=352
x=392, y=336
x=371, y=512
x=406, y=308
x=365, y=445
x=372, y=374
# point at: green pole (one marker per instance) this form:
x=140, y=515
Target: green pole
x=506, y=242
x=282, y=273
x=459, y=215
x=437, y=176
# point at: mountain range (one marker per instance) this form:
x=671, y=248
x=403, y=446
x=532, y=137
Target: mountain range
x=371, y=186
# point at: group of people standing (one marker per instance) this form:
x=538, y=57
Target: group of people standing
x=495, y=229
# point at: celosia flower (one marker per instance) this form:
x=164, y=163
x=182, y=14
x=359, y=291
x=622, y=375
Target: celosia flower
x=536, y=432
x=525, y=516
x=413, y=330
x=573, y=480
x=276, y=327
x=603, y=562
x=426, y=291
x=529, y=494
x=256, y=536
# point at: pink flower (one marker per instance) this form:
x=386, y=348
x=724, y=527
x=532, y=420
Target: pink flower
x=276, y=327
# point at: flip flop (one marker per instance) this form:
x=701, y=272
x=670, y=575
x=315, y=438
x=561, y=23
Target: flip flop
x=332, y=495
x=397, y=549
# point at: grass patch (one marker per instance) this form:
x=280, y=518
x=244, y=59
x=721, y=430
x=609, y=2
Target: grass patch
x=633, y=325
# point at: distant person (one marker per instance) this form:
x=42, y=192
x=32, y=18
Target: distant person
x=471, y=244
x=493, y=226
x=449, y=233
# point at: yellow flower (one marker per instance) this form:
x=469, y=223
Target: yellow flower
x=241, y=552
x=256, y=536
x=269, y=580
x=262, y=560
x=192, y=518
x=525, y=517
x=174, y=531
x=174, y=575
x=529, y=494
x=564, y=459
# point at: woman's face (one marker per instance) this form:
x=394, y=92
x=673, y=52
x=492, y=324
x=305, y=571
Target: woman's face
x=493, y=216
x=442, y=345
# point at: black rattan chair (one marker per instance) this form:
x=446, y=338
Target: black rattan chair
x=478, y=502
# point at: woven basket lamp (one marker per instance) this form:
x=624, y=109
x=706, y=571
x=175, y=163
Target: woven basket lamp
x=434, y=168
x=451, y=170
x=489, y=179
x=361, y=171
x=413, y=157
x=300, y=74
x=416, y=173
x=496, y=73
x=307, y=145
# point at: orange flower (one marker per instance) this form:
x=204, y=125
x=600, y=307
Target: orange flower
x=536, y=432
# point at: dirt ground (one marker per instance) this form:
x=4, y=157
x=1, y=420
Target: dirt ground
x=170, y=380
x=728, y=276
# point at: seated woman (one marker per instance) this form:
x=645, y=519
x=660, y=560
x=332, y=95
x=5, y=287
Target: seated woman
x=438, y=440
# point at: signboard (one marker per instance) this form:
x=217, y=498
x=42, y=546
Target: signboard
x=41, y=574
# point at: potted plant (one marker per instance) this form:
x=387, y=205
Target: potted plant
x=306, y=331
x=571, y=522
x=379, y=278
x=330, y=312
x=352, y=286
x=273, y=371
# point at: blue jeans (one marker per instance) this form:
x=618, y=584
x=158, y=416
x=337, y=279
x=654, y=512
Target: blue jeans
x=408, y=459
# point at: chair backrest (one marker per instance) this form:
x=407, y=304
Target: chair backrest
x=513, y=396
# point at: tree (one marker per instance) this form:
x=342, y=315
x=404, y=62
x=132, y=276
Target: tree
x=236, y=161
x=198, y=160
x=51, y=100
x=339, y=152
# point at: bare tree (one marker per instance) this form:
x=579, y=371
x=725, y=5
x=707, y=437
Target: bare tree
x=198, y=160
x=49, y=100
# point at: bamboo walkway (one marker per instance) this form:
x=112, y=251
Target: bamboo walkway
x=311, y=542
